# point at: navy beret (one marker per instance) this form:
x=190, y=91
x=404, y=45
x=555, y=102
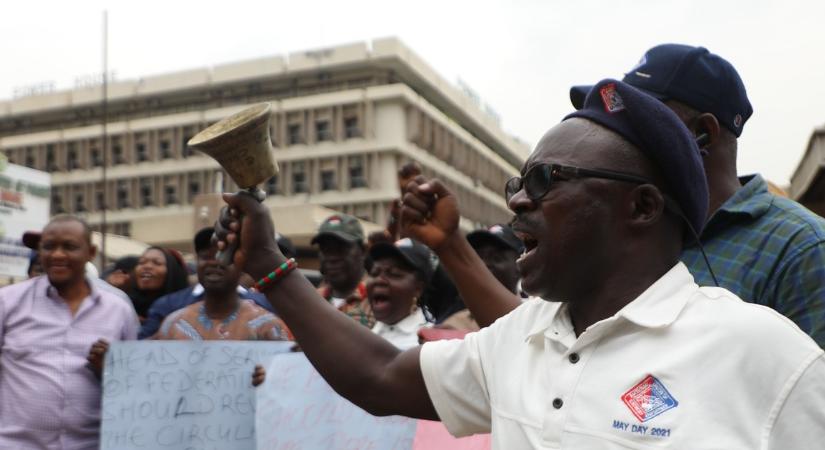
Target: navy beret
x=659, y=133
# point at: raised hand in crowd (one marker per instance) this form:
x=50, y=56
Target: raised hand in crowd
x=430, y=215
x=384, y=380
x=407, y=173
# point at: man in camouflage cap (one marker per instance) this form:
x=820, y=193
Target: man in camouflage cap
x=340, y=242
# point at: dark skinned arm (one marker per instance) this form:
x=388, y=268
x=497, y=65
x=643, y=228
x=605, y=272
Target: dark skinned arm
x=430, y=215
x=359, y=365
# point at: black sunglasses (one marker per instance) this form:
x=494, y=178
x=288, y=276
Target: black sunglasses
x=536, y=182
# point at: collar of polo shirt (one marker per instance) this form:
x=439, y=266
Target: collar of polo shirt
x=647, y=310
x=409, y=324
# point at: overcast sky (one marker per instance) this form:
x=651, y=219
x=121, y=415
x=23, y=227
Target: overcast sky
x=520, y=56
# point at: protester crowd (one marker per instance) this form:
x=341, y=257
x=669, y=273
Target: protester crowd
x=543, y=326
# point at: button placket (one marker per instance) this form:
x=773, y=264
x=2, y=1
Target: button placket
x=569, y=373
x=561, y=390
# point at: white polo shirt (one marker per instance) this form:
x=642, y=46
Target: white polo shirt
x=679, y=367
x=403, y=334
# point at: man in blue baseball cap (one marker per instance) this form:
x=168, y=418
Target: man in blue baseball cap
x=622, y=350
x=764, y=248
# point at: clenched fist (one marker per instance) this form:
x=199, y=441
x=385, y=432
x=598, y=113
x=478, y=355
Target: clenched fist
x=429, y=213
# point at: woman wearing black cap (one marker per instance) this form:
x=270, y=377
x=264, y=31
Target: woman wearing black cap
x=158, y=272
x=397, y=276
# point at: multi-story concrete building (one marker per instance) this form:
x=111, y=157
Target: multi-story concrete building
x=344, y=119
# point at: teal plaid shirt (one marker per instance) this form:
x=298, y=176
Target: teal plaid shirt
x=767, y=250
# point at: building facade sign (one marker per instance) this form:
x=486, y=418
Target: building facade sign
x=24, y=206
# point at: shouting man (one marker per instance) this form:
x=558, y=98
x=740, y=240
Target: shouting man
x=621, y=350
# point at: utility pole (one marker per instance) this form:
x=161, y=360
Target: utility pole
x=105, y=138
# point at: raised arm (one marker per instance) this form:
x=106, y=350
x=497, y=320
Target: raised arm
x=430, y=215
x=359, y=365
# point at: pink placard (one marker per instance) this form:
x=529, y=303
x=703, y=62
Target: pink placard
x=431, y=435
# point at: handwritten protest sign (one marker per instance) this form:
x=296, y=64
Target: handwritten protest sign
x=182, y=395
x=177, y=395
x=298, y=410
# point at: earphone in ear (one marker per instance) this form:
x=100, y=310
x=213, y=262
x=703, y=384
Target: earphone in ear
x=702, y=140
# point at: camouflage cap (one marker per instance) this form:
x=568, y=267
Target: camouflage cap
x=340, y=226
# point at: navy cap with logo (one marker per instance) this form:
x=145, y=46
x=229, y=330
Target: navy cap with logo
x=501, y=235
x=340, y=226
x=691, y=75
x=659, y=133
x=415, y=254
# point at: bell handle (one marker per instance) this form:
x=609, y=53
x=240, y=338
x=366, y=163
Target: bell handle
x=227, y=255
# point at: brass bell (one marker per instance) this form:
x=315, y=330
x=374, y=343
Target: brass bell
x=242, y=146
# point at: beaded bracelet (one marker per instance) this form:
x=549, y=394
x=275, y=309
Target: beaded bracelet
x=283, y=270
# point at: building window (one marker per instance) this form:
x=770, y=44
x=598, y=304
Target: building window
x=117, y=155
x=94, y=154
x=170, y=195
x=146, y=193
x=122, y=194
x=100, y=201
x=299, y=178
x=57, y=204
x=194, y=190
x=272, y=187
x=323, y=132
x=165, y=150
x=357, y=179
x=295, y=135
x=29, y=158
x=51, y=166
x=71, y=157
x=351, y=129
x=79, y=203
x=123, y=229
x=328, y=180
x=141, y=152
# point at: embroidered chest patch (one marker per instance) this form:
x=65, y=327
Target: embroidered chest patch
x=648, y=399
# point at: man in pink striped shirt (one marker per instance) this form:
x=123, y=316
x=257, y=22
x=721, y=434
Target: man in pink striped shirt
x=49, y=398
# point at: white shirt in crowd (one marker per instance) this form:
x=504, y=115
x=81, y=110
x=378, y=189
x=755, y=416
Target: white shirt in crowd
x=403, y=334
x=337, y=302
x=679, y=367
